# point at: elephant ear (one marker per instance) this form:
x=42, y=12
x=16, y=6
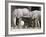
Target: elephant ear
x=19, y=13
x=25, y=12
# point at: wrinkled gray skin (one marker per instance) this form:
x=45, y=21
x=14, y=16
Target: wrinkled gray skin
x=25, y=12
x=36, y=15
x=21, y=12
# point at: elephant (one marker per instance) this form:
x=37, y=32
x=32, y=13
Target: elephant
x=18, y=13
x=37, y=18
x=24, y=12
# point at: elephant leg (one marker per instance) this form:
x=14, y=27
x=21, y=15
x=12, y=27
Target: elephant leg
x=15, y=21
x=20, y=25
x=36, y=22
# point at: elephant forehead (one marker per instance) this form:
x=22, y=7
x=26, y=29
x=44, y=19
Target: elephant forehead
x=36, y=12
x=15, y=12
